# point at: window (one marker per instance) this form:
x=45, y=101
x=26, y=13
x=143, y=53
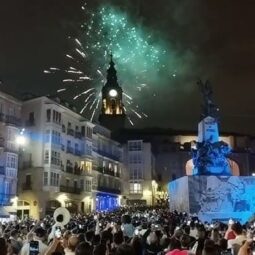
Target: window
x=46, y=157
x=56, y=137
x=135, y=188
x=82, y=185
x=31, y=117
x=45, y=178
x=47, y=136
x=135, y=158
x=88, y=149
x=48, y=115
x=11, y=161
x=83, y=131
x=89, y=132
x=54, y=179
x=28, y=179
x=134, y=145
x=88, y=186
x=55, y=158
x=56, y=117
x=136, y=173
x=7, y=187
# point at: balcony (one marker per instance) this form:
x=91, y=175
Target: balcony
x=27, y=186
x=12, y=120
x=11, y=148
x=77, y=152
x=70, y=131
x=69, y=149
x=108, y=190
x=69, y=169
x=108, y=155
x=105, y=170
x=77, y=170
x=2, y=170
x=72, y=190
x=77, y=135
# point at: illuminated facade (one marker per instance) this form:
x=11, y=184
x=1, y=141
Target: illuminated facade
x=10, y=122
x=58, y=165
x=139, y=161
x=112, y=112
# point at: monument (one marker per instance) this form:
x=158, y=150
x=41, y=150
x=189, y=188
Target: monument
x=212, y=192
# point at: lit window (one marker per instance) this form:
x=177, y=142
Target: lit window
x=135, y=188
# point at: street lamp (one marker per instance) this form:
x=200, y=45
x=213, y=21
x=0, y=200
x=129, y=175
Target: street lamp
x=20, y=139
x=154, y=189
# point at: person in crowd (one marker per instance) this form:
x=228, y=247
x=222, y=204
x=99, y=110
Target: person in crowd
x=40, y=238
x=240, y=238
x=132, y=231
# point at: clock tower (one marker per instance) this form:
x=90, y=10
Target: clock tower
x=112, y=112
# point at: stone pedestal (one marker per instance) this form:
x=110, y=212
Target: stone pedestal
x=214, y=198
x=208, y=130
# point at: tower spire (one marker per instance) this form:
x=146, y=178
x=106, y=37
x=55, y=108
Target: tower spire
x=112, y=74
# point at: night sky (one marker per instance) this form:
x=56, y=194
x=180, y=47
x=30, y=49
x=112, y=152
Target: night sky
x=210, y=39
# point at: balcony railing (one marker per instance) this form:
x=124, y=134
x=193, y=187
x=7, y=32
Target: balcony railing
x=108, y=190
x=67, y=189
x=27, y=186
x=69, y=169
x=2, y=170
x=105, y=170
x=70, y=131
x=78, y=135
x=108, y=155
x=69, y=149
x=9, y=119
x=77, y=170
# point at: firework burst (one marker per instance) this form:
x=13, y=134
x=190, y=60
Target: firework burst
x=137, y=60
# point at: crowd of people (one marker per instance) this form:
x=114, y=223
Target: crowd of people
x=127, y=231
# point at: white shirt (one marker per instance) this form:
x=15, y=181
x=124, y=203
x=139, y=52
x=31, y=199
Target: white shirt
x=238, y=240
x=42, y=248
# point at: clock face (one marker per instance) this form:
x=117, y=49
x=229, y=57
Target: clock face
x=113, y=93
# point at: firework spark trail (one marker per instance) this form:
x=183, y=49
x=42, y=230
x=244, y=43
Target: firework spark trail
x=61, y=90
x=81, y=53
x=82, y=110
x=69, y=56
x=92, y=116
x=126, y=95
x=130, y=121
x=93, y=103
x=136, y=113
x=89, y=97
x=137, y=58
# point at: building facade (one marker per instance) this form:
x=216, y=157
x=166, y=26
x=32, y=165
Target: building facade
x=10, y=109
x=57, y=165
x=139, y=185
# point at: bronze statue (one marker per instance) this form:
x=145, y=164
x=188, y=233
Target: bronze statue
x=208, y=108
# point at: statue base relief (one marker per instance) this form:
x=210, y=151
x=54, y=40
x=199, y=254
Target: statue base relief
x=214, y=198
